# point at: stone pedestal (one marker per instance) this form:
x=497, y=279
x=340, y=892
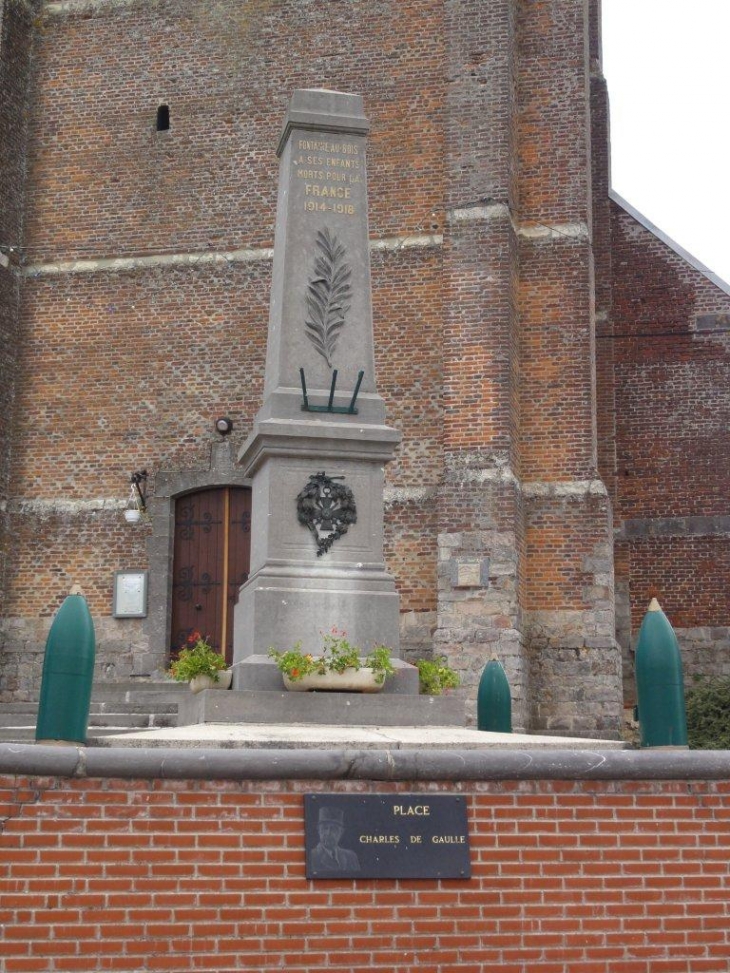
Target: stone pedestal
x=294, y=594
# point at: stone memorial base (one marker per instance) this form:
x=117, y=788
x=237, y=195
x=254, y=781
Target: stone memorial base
x=290, y=604
x=258, y=673
x=259, y=698
x=323, y=709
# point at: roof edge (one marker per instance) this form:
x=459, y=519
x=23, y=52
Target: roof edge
x=672, y=244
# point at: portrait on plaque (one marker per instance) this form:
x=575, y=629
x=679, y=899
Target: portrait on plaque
x=328, y=855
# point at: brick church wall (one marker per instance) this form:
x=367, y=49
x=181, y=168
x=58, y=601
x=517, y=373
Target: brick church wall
x=671, y=347
x=141, y=310
x=15, y=61
x=480, y=506
x=126, y=366
x=567, y=582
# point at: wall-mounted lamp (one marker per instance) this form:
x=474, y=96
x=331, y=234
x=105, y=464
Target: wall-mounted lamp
x=137, y=503
x=224, y=425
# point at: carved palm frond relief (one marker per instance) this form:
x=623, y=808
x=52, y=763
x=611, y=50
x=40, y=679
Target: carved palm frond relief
x=328, y=292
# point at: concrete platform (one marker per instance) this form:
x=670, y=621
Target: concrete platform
x=339, y=709
x=315, y=737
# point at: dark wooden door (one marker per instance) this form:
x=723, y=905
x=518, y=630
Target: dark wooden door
x=211, y=561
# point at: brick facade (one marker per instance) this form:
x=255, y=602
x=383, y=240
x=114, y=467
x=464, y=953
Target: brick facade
x=568, y=876
x=671, y=355
x=511, y=303
x=15, y=60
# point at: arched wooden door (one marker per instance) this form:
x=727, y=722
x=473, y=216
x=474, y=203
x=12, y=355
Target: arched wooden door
x=211, y=561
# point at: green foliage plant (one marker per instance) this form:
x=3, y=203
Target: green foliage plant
x=708, y=714
x=338, y=654
x=197, y=658
x=435, y=676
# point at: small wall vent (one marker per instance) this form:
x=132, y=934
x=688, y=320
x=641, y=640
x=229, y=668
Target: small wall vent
x=163, y=118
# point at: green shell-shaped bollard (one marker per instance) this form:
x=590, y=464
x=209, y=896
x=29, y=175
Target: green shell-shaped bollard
x=494, y=700
x=659, y=682
x=68, y=672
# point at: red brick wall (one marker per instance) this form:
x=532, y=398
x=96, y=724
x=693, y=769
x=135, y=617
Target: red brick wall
x=689, y=576
x=102, y=181
x=133, y=368
x=127, y=370
x=563, y=538
x=15, y=49
x=567, y=877
x=557, y=440
x=15, y=52
x=557, y=394
x=411, y=553
x=672, y=382
x=408, y=336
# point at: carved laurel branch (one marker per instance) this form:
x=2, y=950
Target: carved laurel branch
x=327, y=294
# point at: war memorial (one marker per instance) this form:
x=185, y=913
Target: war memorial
x=437, y=440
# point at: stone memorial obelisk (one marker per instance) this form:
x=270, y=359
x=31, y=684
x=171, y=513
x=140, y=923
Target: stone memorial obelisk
x=319, y=442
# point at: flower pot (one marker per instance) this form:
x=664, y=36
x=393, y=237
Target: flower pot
x=350, y=681
x=132, y=515
x=225, y=678
x=199, y=683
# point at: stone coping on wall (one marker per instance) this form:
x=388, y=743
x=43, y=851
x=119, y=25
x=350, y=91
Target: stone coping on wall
x=376, y=765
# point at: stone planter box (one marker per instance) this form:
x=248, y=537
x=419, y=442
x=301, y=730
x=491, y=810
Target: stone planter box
x=350, y=681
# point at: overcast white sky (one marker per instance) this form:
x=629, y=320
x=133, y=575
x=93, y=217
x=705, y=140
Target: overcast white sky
x=667, y=64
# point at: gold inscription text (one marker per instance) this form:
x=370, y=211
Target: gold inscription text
x=313, y=145
x=327, y=192
x=417, y=810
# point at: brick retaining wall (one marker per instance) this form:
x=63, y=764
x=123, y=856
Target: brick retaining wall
x=582, y=862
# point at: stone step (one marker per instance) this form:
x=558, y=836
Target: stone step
x=135, y=719
x=26, y=733
x=17, y=734
x=18, y=719
x=146, y=688
x=115, y=708
x=27, y=713
x=137, y=706
x=19, y=706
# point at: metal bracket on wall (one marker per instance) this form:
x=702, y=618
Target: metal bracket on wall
x=348, y=410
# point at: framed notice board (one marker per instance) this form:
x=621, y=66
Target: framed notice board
x=130, y=594
x=386, y=836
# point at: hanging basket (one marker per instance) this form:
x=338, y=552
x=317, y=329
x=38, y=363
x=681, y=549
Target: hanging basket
x=133, y=511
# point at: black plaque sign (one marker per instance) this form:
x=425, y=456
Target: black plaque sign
x=394, y=836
